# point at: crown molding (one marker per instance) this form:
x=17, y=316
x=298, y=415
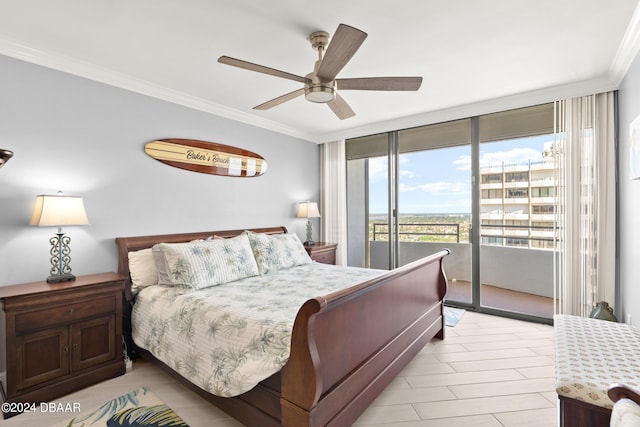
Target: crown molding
x=541, y=96
x=628, y=49
x=56, y=61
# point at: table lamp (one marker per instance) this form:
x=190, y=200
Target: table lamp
x=56, y=211
x=308, y=210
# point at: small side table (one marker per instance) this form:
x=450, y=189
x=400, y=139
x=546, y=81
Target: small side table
x=323, y=252
x=59, y=338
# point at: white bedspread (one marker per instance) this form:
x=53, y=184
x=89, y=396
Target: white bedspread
x=228, y=338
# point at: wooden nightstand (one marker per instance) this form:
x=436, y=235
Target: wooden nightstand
x=60, y=337
x=322, y=252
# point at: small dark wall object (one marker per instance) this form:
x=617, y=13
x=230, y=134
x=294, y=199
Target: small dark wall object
x=5, y=155
x=603, y=311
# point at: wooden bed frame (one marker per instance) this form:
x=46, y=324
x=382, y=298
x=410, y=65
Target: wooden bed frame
x=575, y=413
x=346, y=346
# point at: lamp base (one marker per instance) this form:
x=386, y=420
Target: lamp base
x=60, y=259
x=57, y=278
x=309, y=243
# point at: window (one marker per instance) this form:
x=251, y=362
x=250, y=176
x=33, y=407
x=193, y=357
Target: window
x=511, y=241
x=543, y=209
x=543, y=192
x=492, y=194
x=542, y=225
x=516, y=177
x=516, y=193
x=547, y=243
x=492, y=178
x=493, y=241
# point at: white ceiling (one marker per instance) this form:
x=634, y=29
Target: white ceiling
x=475, y=55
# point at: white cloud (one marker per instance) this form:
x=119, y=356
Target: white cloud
x=514, y=156
x=407, y=174
x=463, y=163
x=377, y=169
x=440, y=187
x=404, y=188
x=445, y=187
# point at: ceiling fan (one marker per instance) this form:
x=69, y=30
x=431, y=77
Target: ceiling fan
x=321, y=85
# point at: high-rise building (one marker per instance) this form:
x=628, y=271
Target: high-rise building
x=518, y=203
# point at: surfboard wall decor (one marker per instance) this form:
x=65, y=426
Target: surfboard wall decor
x=206, y=157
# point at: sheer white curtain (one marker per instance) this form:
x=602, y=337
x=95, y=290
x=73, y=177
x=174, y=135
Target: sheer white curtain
x=586, y=211
x=333, y=197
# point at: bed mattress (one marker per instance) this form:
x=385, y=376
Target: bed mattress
x=227, y=338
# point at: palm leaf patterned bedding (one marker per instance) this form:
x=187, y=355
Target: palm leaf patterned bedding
x=228, y=338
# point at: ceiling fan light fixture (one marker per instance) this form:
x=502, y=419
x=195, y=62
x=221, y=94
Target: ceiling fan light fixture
x=319, y=93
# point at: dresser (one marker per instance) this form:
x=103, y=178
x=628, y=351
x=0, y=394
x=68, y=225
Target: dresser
x=59, y=338
x=323, y=252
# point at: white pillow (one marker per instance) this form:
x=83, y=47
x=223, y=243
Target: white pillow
x=142, y=269
x=161, y=266
x=203, y=263
x=161, y=262
x=277, y=251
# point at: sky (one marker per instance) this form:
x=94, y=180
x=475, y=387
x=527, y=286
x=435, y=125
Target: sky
x=439, y=181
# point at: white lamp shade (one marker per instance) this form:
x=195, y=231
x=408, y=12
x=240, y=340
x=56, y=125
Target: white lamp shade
x=308, y=210
x=56, y=211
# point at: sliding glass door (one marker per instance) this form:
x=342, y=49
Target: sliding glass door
x=482, y=187
x=434, y=212
x=417, y=200
x=517, y=225
x=517, y=202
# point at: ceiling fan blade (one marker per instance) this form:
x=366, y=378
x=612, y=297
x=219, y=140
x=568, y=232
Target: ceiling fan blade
x=279, y=100
x=260, y=68
x=344, y=44
x=340, y=107
x=380, y=83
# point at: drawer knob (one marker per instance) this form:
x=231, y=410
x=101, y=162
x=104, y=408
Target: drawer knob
x=75, y=346
x=66, y=349
x=71, y=310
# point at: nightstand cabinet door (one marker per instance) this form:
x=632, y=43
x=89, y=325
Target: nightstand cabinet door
x=93, y=342
x=43, y=356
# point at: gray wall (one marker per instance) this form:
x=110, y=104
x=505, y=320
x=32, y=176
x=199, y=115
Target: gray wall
x=629, y=201
x=86, y=138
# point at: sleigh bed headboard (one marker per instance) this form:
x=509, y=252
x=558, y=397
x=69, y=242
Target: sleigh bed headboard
x=136, y=243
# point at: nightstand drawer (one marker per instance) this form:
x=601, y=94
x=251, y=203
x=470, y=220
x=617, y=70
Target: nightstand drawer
x=322, y=252
x=52, y=316
x=325, y=257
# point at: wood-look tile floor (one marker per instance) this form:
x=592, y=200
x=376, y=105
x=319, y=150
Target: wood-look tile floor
x=488, y=372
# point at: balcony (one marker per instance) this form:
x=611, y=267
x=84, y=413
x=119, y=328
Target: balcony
x=544, y=182
x=492, y=186
x=513, y=278
x=516, y=200
x=502, y=299
x=516, y=184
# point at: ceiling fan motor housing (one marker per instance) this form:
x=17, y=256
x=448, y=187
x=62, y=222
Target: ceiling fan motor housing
x=318, y=91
